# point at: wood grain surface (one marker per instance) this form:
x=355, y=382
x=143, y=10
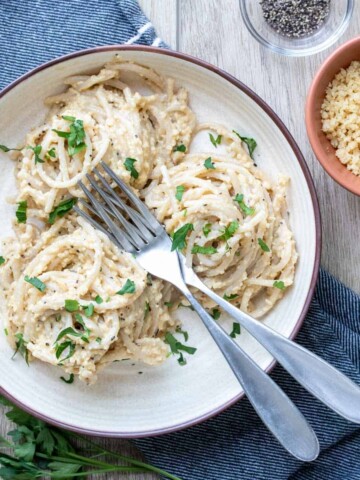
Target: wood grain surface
x=213, y=30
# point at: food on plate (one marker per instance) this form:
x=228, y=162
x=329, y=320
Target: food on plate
x=71, y=297
x=340, y=113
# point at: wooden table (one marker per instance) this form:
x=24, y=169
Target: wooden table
x=213, y=30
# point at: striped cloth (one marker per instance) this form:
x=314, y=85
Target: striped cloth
x=235, y=445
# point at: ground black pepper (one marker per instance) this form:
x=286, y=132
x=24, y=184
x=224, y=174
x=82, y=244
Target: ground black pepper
x=295, y=18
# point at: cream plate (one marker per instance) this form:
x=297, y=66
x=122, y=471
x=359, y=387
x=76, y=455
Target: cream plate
x=134, y=400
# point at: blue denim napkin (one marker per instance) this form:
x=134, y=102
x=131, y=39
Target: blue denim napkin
x=235, y=445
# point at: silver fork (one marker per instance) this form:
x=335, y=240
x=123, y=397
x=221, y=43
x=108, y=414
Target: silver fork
x=147, y=239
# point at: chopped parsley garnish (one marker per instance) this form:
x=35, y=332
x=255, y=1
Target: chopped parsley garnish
x=37, y=151
x=21, y=212
x=87, y=331
x=6, y=331
x=68, y=380
x=186, y=335
x=98, y=299
x=263, y=245
x=179, y=237
x=239, y=198
x=279, y=284
x=180, y=189
x=72, y=305
x=146, y=309
x=88, y=310
x=129, y=287
x=51, y=153
x=2, y=260
x=232, y=296
x=215, y=141
x=36, y=282
x=129, y=165
x=236, y=330
x=98, y=340
x=68, y=331
x=177, y=347
x=6, y=149
x=215, y=313
x=207, y=229
x=61, y=209
x=59, y=349
x=250, y=142
x=230, y=231
x=180, y=148
x=168, y=304
x=75, y=137
x=21, y=347
x=203, y=250
x=209, y=164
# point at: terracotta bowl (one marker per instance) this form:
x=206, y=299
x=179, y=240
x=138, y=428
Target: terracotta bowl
x=325, y=153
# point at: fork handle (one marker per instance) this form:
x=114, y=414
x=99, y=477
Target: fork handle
x=320, y=378
x=275, y=409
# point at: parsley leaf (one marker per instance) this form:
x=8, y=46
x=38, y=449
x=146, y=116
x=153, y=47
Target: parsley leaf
x=209, y=164
x=2, y=260
x=179, y=148
x=176, y=346
x=37, y=150
x=250, y=142
x=203, y=250
x=129, y=287
x=236, y=330
x=179, y=237
x=21, y=212
x=72, y=305
x=98, y=299
x=186, y=335
x=207, y=229
x=245, y=209
x=64, y=346
x=68, y=331
x=215, y=313
x=230, y=297
x=180, y=189
x=129, y=165
x=215, y=141
x=88, y=310
x=21, y=347
x=69, y=380
x=51, y=153
x=6, y=149
x=279, y=284
x=61, y=209
x=75, y=137
x=36, y=282
x=263, y=245
x=229, y=231
x=168, y=304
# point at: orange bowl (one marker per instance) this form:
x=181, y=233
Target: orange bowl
x=324, y=151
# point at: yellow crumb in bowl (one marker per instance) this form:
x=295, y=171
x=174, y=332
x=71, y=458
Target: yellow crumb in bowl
x=340, y=113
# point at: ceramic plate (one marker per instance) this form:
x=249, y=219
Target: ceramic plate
x=125, y=402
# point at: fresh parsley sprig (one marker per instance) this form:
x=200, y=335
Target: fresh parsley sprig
x=179, y=236
x=21, y=212
x=179, y=148
x=204, y=250
x=176, y=347
x=215, y=140
x=75, y=137
x=42, y=451
x=239, y=198
x=60, y=210
x=209, y=164
x=250, y=142
x=129, y=165
x=129, y=287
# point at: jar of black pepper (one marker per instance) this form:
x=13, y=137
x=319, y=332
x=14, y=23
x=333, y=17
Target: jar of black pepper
x=296, y=27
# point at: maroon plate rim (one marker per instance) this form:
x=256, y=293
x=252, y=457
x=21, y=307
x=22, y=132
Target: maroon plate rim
x=290, y=139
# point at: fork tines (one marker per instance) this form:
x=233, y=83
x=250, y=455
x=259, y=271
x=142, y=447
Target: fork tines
x=130, y=226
